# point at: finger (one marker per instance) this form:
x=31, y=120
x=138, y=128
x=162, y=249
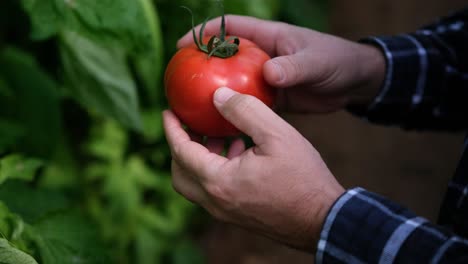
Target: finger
x=250, y=115
x=215, y=145
x=185, y=184
x=189, y=154
x=262, y=32
x=287, y=71
x=236, y=149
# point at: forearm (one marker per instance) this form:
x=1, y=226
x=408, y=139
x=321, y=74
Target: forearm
x=365, y=228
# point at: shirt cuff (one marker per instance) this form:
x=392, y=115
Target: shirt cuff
x=363, y=227
x=407, y=69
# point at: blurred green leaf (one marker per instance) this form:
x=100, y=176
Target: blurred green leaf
x=98, y=40
x=264, y=9
x=307, y=13
x=67, y=238
x=31, y=203
x=10, y=132
x=186, y=253
x=107, y=20
x=17, y=167
x=12, y=226
x=100, y=79
x=45, y=20
x=149, y=248
x=5, y=91
x=62, y=170
x=149, y=62
x=12, y=255
x=152, y=124
x=107, y=141
x=35, y=104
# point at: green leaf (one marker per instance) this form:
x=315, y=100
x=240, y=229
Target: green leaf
x=5, y=91
x=44, y=18
x=68, y=237
x=99, y=78
x=306, y=13
x=15, y=230
x=11, y=225
x=185, y=252
x=62, y=170
x=98, y=39
x=108, y=142
x=110, y=20
x=12, y=255
x=265, y=9
x=31, y=203
x=149, y=248
x=10, y=132
x=33, y=105
x=17, y=167
x=152, y=123
x=149, y=62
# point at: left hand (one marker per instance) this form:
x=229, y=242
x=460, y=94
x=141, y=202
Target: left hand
x=280, y=188
x=312, y=71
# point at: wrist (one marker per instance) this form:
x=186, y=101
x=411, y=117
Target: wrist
x=371, y=69
x=328, y=200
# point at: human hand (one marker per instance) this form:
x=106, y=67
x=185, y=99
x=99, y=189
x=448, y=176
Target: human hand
x=319, y=73
x=280, y=188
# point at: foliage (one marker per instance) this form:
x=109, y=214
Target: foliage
x=84, y=166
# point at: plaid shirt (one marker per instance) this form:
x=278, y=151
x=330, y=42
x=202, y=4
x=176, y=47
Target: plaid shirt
x=426, y=87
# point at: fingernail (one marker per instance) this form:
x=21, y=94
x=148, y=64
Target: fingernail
x=279, y=71
x=222, y=95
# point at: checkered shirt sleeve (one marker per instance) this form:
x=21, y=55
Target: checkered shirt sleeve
x=426, y=87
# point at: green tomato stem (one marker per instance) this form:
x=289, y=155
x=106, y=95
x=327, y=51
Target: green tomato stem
x=217, y=46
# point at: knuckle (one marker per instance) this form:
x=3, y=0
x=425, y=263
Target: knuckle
x=220, y=194
x=216, y=191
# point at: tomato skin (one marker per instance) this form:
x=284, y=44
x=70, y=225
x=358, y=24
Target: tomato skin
x=191, y=78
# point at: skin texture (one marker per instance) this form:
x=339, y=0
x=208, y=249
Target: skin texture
x=281, y=187
x=191, y=79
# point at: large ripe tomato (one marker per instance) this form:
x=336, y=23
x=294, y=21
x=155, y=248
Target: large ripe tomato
x=192, y=77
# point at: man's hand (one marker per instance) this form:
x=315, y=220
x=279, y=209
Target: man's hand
x=315, y=72
x=280, y=188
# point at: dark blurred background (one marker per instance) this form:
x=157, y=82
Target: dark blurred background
x=84, y=164
x=410, y=167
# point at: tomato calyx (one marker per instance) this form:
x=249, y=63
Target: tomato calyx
x=221, y=46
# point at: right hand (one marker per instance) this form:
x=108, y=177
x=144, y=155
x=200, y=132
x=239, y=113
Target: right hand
x=315, y=72
x=280, y=188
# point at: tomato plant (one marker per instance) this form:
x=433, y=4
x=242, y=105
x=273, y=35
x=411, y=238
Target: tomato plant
x=197, y=71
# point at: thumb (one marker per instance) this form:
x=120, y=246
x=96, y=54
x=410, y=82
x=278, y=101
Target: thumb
x=250, y=115
x=286, y=71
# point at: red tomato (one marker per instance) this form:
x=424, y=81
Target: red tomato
x=191, y=79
